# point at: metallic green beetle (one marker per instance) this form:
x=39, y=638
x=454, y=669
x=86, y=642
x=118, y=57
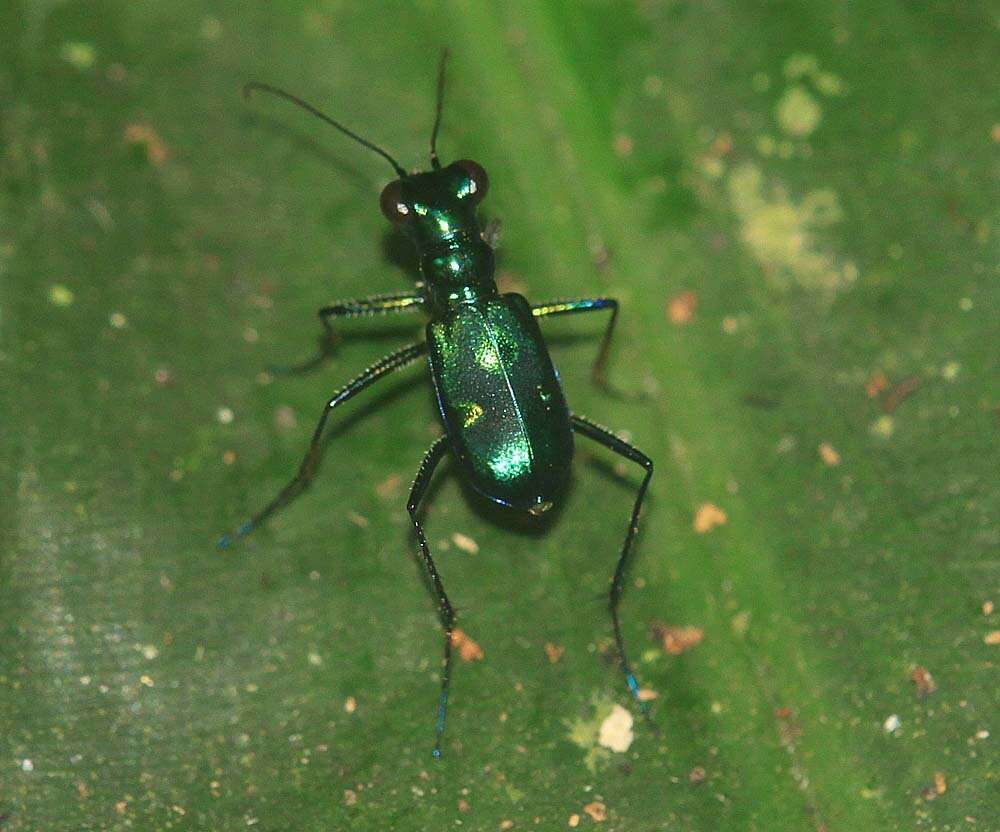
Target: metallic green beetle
x=502, y=406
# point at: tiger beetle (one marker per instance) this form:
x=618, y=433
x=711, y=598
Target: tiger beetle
x=501, y=403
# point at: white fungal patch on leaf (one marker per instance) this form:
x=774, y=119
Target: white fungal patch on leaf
x=616, y=730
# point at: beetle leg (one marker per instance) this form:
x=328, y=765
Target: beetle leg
x=307, y=468
x=622, y=448
x=566, y=307
x=374, y=305
x=447, y=612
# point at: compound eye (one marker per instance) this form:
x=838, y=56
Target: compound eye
x=479, y=182
x=391, y=202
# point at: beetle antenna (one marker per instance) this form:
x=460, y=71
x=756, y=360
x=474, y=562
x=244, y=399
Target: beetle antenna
x=437, y=112
x=305, y=105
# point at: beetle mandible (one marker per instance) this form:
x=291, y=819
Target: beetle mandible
x=505, y=419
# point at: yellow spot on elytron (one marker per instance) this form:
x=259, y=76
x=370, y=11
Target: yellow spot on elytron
x=512, y=460
x=487, y=357
x=473, y=413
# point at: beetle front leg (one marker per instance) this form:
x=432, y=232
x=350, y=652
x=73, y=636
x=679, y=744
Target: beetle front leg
x=567, y=307
x=445, y=609
x=361, y=307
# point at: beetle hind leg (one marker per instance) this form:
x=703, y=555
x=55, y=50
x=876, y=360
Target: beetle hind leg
x=624, y=449
x=445, y=609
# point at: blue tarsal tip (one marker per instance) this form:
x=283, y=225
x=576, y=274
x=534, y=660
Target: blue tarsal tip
x=224, y=542
x=246, y=528
x=632, y=684
x=436, y=753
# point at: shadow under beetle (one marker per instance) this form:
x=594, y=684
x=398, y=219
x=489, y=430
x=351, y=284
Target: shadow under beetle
x=501, y=403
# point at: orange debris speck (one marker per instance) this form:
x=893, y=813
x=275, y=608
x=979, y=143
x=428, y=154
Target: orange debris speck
x=468, y=650
x=597, y=811
x=389, y=486
x=680, y=308
x=987, y=608
x=876, y=384
x=676, y=640
x=350, y=704
x=940, y=783
x=921, y=677
x=707, y=517
x=992, y=638
x=829, y=454
x=554, y=651
x=574, y=820
x=156, y=150
x=463, y=805
x=505, y=825
x=697, y=775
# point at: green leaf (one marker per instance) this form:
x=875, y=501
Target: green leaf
x=797, y=209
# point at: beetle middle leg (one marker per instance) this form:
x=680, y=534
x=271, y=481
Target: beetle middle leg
x=307, y=467
x=566, y=307
x=445, y=609
x=361, y=307
x=622, y=448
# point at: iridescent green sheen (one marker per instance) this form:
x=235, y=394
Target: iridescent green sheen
x=501, y=402
x=505, y=418
x=499, y=395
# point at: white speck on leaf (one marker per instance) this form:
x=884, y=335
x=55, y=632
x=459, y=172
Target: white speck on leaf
x=616, y=730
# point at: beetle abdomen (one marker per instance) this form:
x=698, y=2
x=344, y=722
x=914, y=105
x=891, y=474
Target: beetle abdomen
x=501, y=401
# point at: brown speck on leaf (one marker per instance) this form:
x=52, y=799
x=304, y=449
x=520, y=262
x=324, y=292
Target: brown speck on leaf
x=143, y=134
x=82, y=789
x=358, y=520
x=680, y=308
x=389, y=487
x=229, y=457
x=898, y=392
x=992, y=638
x=921, y=677
x=506, y=824
x=463, y=805
x=598, y=811
x=707, y=517
x=468, y=650
x=574, y=821
x=121, y=807
x=940, y=787
x=697, y=775
x=987, y=608
x=350, y=704
x=789, y=729
x=829, y=454
x=676, y=640
x=284, y=417
x=623, y=144
x=554, y=652
x=876, y=384
x=163, y=376
x=350, y=797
